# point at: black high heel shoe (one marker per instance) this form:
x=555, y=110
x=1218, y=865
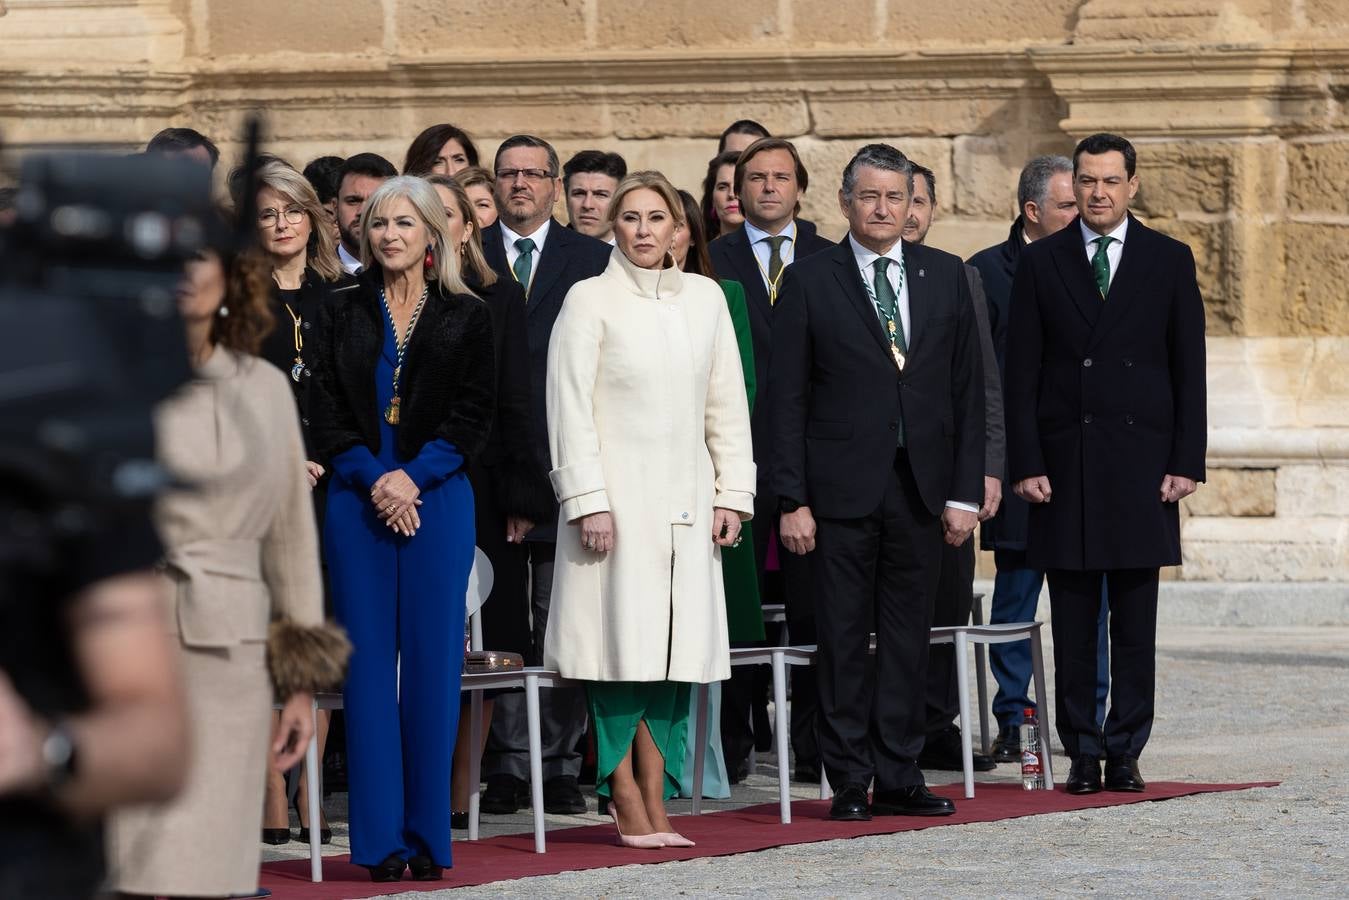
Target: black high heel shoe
x=325, y=834
x=275, y=836
x=389, y=870
x=423, y=869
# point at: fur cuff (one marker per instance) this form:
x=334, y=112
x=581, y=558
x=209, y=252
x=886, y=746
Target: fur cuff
x=306, y=658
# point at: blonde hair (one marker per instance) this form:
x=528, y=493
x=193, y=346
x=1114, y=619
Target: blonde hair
x=321, y=249
x=648, y=179
x=474, y=258
x=431, y=211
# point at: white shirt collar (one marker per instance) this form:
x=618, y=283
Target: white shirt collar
x=349, y=262
x=866, y=258
x=538, y=237
x=756, y=235
x=1088, y=235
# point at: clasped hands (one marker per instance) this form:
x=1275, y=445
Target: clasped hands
x=597, y=530
x=394, y=496
x=1037, y=490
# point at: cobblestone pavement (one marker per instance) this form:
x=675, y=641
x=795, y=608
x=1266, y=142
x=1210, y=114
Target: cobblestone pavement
x=1234, y=704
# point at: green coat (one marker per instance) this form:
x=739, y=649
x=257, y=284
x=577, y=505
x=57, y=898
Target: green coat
x=744, y=616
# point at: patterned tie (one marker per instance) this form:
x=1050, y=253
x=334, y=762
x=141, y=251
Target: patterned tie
x=1100, y=264
x=524, y=263
x=888, y=302
x=775, y=264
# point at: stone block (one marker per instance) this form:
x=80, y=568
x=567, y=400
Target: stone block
x=1315, y=261
x=260, y=27
x=1266, y=549
x=442, y=27
x=965, y=237
x=915, y=108
x=986, y=169
x=706, y=114
x=1233, y=492
x=1325, y=17
x=1197, y=177
x=1314, y=490
x=675, y=24
x=825, y=161
x=1215, y=253
x=1317, y=172
x=1325, y=391
x=842, y=22
x=1040, y=21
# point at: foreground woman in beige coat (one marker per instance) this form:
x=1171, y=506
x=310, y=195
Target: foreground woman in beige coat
x=241, y=553
x=649, y=428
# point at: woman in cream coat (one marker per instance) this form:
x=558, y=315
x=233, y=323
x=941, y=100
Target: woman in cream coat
x=649, y=429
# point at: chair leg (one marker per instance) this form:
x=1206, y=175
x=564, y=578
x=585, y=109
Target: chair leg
x=981, y=674
x=826, y=792
x=963, y=691
x=474, y=763
x=1037, y=658
x=699, y=748
x=535, y=758
x=781, y=729
x=311, y=774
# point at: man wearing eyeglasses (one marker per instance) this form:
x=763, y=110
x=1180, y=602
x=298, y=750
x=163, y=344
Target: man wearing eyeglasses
x=527, y=244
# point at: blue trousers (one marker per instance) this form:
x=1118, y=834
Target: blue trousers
x=1016, y=594
x=402, y=603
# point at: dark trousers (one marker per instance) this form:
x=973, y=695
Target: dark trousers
x=955, y=598
x=878, y=570
x=562, y=711
x=1075, y=600
x=1016, y=596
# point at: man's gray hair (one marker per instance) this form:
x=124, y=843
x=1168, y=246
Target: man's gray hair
x=877, y=156
x=1034, y=184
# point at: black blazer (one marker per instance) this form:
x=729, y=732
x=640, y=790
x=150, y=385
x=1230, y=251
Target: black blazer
x=837, y=395
x=448, y=383
x=1106, y=398
x=733, y=259
x=278, y=347
x=507, y=466
x=567, y=257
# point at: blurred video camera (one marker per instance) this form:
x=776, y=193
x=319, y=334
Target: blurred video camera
x=90, y=338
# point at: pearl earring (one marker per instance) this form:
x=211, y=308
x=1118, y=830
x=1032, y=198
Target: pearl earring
x=223, y=311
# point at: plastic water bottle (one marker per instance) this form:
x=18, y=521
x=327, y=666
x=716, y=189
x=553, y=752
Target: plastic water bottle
x=1032, y=759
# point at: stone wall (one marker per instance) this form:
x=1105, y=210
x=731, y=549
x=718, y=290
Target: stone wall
x=1239, y=109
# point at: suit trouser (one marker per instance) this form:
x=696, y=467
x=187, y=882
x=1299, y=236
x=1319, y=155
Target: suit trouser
x=880, y=569
x=1016, y=597
x=562, y=711
x=1075, y=600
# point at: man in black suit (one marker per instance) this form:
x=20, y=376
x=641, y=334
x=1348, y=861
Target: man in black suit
x=876, y=392
x=769, y=180
x=528, y=245
x=1106, y=417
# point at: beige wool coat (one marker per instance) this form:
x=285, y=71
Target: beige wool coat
x=647, y=420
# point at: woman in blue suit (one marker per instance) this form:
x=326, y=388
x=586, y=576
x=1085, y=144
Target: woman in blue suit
x=404, y=394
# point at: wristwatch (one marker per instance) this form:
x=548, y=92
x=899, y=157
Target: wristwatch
x=787, y=505
x=59, y=755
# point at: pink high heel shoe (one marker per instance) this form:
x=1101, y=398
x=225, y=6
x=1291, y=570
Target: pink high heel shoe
x=672, y=839
x=637, y=841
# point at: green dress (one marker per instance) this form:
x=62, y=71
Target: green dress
x=744, y=615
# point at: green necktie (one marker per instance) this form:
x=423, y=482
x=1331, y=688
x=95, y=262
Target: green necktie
x=524, y=263
x=1100, y=264
x=775, y=264
x=887, y=303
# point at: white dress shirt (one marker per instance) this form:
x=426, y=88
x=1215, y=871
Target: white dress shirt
x=538, y=237
x=763, y=252
x=1113, y=252
x=866, y=264
x=351, y=264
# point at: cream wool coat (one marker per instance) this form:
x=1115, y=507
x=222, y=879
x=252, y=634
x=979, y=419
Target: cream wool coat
x=647, y=420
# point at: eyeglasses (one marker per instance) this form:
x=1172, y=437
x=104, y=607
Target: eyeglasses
x=267, y=218
x=529, y=174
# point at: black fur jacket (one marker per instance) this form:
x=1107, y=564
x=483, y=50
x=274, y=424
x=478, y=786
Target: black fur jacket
x=448, y=385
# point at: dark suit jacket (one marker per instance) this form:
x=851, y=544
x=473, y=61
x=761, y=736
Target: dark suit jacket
x=733, y=259
x=567, y=257
x=447, y=387
x=995, y=433
x=996, y=265
x=1106, y=397
x=837, y=395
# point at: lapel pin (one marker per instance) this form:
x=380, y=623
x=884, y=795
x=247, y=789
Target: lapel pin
x=922, y=273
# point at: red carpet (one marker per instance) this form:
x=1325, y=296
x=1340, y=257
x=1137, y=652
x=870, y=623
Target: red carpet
x=718, y=834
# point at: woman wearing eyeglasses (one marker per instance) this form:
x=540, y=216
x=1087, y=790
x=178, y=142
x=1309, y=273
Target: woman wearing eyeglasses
x=305, y=275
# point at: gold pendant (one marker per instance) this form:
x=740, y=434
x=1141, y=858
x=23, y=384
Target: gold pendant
x=900, y=358
x=297, y=370
x=391, y=412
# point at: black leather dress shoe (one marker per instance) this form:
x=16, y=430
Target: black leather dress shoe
x=562, y=796
x=738, y=772
x=389, y=870
x=910, y=801
x=1121, y=774
x=850, y=804
x=941, y=751
x=502, y=795
x=1007, y=748
x=423, y=869
x=1085, y=776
